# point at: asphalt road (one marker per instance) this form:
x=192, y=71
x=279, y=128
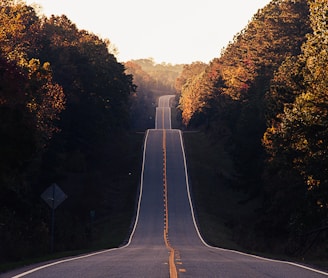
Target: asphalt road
x=165, y=241
x=193, y=257
x=163, y=113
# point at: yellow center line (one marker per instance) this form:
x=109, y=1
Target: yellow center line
x=172, y=266
x=163, y=122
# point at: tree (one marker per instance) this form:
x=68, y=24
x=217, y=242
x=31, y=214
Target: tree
x=19, y=26
x=64, y=100
x=190, y=85
x=297, y=136
x=243, y=96
x=97, y=88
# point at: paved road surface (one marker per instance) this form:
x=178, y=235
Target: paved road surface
x=165, y=242
x=163, y=113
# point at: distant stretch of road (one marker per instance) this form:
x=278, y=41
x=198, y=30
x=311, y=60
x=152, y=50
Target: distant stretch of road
x=165, y=241
x=163, y=113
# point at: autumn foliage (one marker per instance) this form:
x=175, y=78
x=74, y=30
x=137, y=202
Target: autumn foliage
x=64, y=99
x=264, y=100
x=152, y=80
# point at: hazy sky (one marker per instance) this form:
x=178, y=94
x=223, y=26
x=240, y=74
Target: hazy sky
x=173, y=31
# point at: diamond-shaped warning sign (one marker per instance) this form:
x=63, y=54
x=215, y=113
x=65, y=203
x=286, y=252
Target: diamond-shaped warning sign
x=53, y=196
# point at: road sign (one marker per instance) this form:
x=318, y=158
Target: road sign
x=53, y=196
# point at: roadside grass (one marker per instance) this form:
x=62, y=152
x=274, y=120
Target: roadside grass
x=224, y=214
x=175, y=121
x=108, y=232
x=216, y=204
x=114, y=231
x=50, y=257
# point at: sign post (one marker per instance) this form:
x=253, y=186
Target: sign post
x=53, y=196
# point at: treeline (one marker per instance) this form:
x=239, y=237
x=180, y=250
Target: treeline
x=265, y=101
x=162, y=76
x=152, y=80
x=64, y=109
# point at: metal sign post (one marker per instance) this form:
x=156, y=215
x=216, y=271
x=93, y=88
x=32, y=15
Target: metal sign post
x=53, y=196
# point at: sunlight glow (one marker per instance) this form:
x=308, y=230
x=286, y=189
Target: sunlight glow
x=169, y=31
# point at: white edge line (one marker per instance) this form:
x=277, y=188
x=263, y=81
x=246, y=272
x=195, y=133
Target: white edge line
x=104, y=251
x=169, y=118
x=156, y=118
x=141, y=190
x=228, y=250
x=164, y=103
x=170, y=121
x=168, y=98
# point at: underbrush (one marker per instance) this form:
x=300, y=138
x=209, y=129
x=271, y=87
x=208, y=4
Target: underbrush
x=229, y=217
x=98, y=211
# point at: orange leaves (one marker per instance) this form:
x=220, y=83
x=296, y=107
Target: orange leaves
x=192, y=85
x=18, y=27
x=267, y=139
x=46, y=98
x=48, y=110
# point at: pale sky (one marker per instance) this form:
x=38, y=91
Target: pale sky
x=172, y=31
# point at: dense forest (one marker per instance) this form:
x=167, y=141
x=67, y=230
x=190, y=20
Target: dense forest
x=264, y=102
x=152, y=80
x=64, y=109
x=69, y=111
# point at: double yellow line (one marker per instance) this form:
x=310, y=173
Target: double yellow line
x=172, y=266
